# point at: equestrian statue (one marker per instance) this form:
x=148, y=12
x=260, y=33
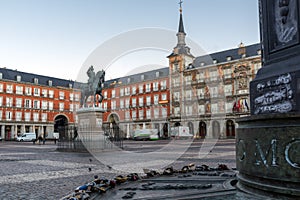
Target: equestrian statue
x=93, y=87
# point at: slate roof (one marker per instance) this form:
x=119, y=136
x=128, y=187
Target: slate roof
x=221, y=56
x=136, y=78
x=9, y=74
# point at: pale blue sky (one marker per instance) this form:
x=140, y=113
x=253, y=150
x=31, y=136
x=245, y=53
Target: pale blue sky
x=55, y=37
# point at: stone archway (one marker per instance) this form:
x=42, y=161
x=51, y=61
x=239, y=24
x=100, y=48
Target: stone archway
x=202, y=129
x=215, y=129
x=61, y=126
x=230, y=129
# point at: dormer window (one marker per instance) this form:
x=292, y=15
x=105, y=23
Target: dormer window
x=36, y=81
x=157, y=74
x=70, y=85
x=142, y=77
x=18, y=78
x=215, y=61
x=258, y=52
x=229, y=58
x=128, y=80
x=1, y=75
x=50, y=83
x=202, y=64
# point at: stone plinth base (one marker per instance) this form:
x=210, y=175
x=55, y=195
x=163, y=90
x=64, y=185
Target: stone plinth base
x=90, y=130
x=268, y=154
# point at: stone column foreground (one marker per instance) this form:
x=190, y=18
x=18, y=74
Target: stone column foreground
x=268, y=142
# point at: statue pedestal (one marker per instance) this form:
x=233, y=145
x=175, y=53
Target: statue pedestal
x=267, y=154
x=90, y=130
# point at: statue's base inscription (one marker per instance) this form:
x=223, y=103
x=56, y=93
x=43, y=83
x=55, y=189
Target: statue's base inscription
x=267, y=153
x=273, y=95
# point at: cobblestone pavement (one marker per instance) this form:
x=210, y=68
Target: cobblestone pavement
x=40, y=172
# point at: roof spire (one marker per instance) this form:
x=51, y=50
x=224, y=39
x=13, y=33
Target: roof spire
x=181, y=27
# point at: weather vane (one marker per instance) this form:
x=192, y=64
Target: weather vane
x=180, y=3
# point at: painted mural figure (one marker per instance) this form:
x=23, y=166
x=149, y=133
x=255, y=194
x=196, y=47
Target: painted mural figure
x=94, y=86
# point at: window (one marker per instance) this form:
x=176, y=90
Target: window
x=50, y=83
x=200, y=93
x=18, y=78
x=176, y=82
x=201, y=76
x=141, y=114
x=227, y=73
x=148, y=100
x=127, y=115
x=127, y=103
x=18, y=102
x=44, y=117
x=141, y=89
x=44, y=105
x=121, y=103
x=163, y=85
x=19, y=89
x=164, y=97
x=27, y=116
x=127, y=91
x=141, y=101
x=228, y=90
x=148, y=114
x=128, y=80
x=177, y=111
x=155, y=86
x=76, y=97
x=36, y=81
x=201, y=109
x=257, y=66
x=155, y=98
x=51, y=94
x=71, y=107
x=1, y=101
x=214, y=92
x=113, y=93
x=134, y=90
x=35, y=117
x=27, y=103
x=188, y=110
x=1, y=87
x=156, y=113
x=164, y=112
x=188, y=95
x=142, y=77
x=9, y=101
x=36, y=92
x=61, y=95
x=0, y=114
x=105, y=105
x=71, y=96
x=36, y=104
x=28, y=91
x=229, y=106
x=105, y=95
x=8, y=115
x=18, y=116
x=121, y=92
x=70, y=85
x=214, y=107
x=50, y=105
x=176, y=96
x=9, y=89
x=188, y=79
x=44, y=93
x=1, y=75
x=133, y=102
x=61, y=106
x=148, y=87
x=133, y=115
x=213, y=75
x=113, y=105
x=156, y=74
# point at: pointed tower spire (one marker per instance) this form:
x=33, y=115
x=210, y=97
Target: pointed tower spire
x=181, y=27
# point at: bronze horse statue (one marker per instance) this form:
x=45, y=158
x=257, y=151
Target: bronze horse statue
x=93, y=87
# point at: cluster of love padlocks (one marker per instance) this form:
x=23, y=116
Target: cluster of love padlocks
x=101, y=185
